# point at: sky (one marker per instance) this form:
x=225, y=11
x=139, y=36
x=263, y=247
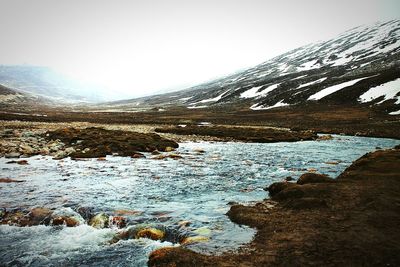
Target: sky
x=137, y=48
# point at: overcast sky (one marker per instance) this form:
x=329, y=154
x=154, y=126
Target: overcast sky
x=140, y=47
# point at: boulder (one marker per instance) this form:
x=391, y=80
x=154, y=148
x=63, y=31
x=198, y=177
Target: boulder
x=325, y=137
x=99, y=221
x=151, y=233
x=309, y=178
x=64, y=220
x=117, y=222
x=12, y=155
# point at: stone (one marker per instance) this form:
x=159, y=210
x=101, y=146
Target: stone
x=8, y=180
x=117, y=221
x=184, y=223
x=308, y=178
x=12, y=155
x=155, y=152
x=20, y=162
x=69, y=150
x=151, y=233
x=138, y=155
x=64, y=220
x=194, y=239
x=325, y=137
x=99, y=221
x=169, y=149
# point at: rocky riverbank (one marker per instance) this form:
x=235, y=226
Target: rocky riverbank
x=348, y=221
x=56, y=140
x=244, y=134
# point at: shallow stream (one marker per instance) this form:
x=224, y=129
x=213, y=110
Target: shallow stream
x=196, y=188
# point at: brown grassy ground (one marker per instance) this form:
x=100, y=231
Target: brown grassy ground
x=325, y=118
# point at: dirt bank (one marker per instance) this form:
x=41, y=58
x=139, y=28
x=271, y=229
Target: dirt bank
x=352, y=221
x=245, y=134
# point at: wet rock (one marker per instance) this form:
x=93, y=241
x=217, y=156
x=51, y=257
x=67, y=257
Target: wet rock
x=184, y=223
x=69, y=150
x=277, y=187
x=99, y=221
x=138, y=156
x=14, y=217
x=26, y=149
x=155, y=152
x=12, y=155
x=117, y=221
x=325, y=137
x=60, y=155
x=289, y=178
x=2, y=213
x=169, y=149
x=151, y=233
x=194, y=239
x=67, y=217
x=39, y=216
x=20, y=162
x=8, y=180
x=127, y=212
x=332, y=162
x=199, y=151
x=67, y=221
x=85, y=212
x=308, y=178
x=165, y=156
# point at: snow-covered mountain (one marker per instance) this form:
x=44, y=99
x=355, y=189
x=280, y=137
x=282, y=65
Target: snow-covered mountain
x=359, y=67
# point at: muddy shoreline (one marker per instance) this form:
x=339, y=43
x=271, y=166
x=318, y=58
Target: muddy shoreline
x=350, y=221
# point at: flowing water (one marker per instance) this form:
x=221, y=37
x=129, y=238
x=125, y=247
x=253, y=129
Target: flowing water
x=196, y=188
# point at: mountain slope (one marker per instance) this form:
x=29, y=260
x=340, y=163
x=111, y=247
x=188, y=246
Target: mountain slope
x=45, y=82
x=358, y=67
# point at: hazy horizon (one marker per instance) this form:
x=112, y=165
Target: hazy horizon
x=135, y=48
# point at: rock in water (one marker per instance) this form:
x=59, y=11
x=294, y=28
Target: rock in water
x=151, y=233
x=99, y=221
x=117, y=221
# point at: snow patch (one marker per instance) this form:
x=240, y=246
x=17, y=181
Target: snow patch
x=388, y=90
x=261, y=107
x=330, y=90
x=310, y=65
x=253, y=92
x=311, y=83
x=215, y=99
x=197, y=107
x=395, y=113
